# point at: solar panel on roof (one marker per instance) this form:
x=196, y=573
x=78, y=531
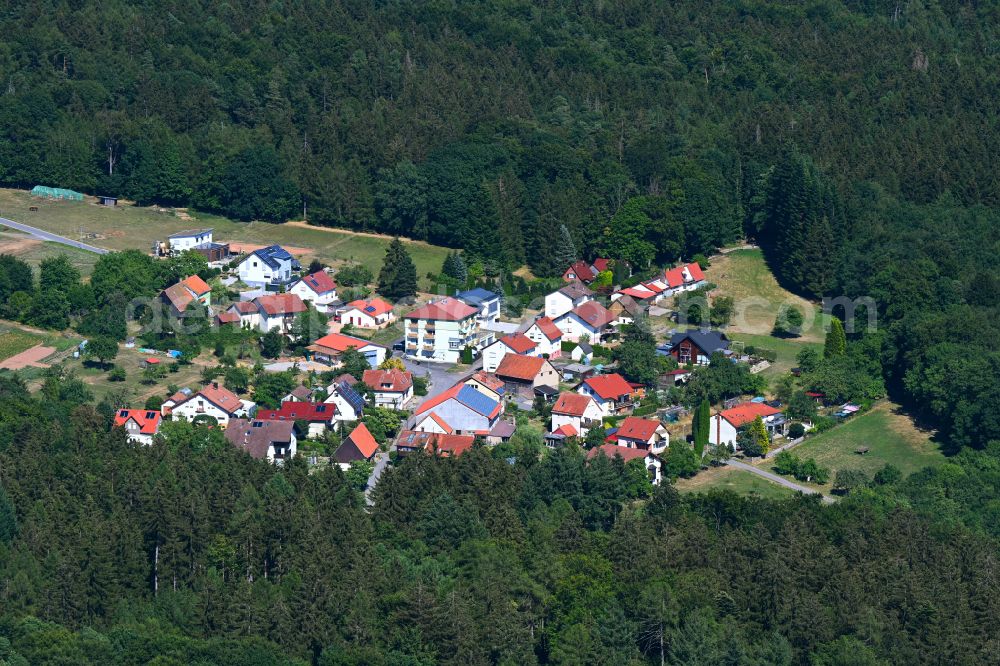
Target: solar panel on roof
x=476, y=401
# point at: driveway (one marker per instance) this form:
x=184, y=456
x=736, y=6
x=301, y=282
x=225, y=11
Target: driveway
x=780, y=480
x=381, y=462
x=440, y=378
x=45, y=235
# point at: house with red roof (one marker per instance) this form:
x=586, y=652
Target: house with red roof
x=278, y=311
x=650, y=460
x=317, y=415
x=141, y=425
x=328, y=349
x=488, y=384
x=462, y=410
x=212, y=402
x=273, y=441
x=580, y=270
x=727, y=423
x=577, y=411
x=368, y=313
x=317, y=288
x=588, y=322
x=189, y=290
x=683, y=278
x=612, y=393
x=546, y=336
x=639, y=433
x=439, y=331
x=247, y=313
x=440, y=444
x=522, y=374
x=358, y=445
x=392, y=388
x=515, y=343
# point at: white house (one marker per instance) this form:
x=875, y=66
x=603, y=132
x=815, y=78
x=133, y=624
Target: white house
x=318, y=416
x=393, y=388
x=683, y=278
x=141, y=425
x=611, y=392
x=273, y=441
x=317, y=288
x=517, y=343
x=248, y=313
x=188, y=239
x=329, y=348
x=463, y=409
x=587, y=322
x=271, y=265
x=579, y=411
x=650, y=460
x=349, y=403
x=639, y=433
x=278, y=311
x=440, y=331
x=725, y=425
x=546, y=336
x=368, y=313
x=212, y=401
x=563, y=300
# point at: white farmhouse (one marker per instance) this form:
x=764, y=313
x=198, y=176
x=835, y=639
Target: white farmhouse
x=271, y=265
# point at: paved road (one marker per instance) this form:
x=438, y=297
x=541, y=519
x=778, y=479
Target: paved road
x=45, y=235
x=780, y=480
x=381, y=462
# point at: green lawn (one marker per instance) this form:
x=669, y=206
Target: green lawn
x=34, y=251
x=128, y=227
x=786, y=348
x=736, y=480
x=14, y=342
x=889, y=434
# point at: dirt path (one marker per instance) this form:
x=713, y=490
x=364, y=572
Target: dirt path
x=29, y=357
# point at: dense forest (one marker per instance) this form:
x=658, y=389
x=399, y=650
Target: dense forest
x=855, y=141
x=515, y=130
x=192, y=552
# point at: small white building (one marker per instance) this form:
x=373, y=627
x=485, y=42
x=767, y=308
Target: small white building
x=725, y=425
x=317, y=288
x=392, y=388
x=578, y=411
x=368, y=313
x=517, y=343
x=141, y=425
x=278, y=311
x=587, y=322
x=546, y=336
x=566, y=298
x=349, y=403
x=650, y=460
x=639, y=433
x=273, y=441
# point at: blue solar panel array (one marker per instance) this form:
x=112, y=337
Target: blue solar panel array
x=353, y=398
x=476, y=401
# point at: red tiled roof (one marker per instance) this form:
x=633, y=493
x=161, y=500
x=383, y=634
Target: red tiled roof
x=340, y=342
x=393, y=380
x=280, y=304
x=641, y=292
x=320, y=282
x=571, y=404
x=487, y=380
x=519, y=342
x=548, y=328
x=609, y=387
x=637, y=428
x=746, y=412
x=611, y=450
x=228, y=317
x=448, y=446
x=363, y=440
x=601, y=264
x=695, y=270
x=674, y=277
x=453, y=393
x=373, y=307
x=219, y=396
x=581, y=270
x=594, y=314
x=448, y=309
x=295, y=410
x=516, y=366
x=148, y=420
x=441, y=422
x=566, y=430
x=244, y=307
x=196, y=284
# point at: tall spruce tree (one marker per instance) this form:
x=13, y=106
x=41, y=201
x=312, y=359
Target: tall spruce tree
x=398, y=277
x=701, y=427
x=836, y=339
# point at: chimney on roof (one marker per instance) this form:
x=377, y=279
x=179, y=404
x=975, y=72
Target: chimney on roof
x=215, y=385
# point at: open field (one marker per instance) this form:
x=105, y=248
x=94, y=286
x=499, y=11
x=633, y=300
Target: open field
x=33, y=251
x=13, y=342
x=131, y=227
x=786, y=348
x=746, y=277
x=890, y=435
x=736, y=480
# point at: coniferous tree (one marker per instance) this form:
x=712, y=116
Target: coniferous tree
x=701, y=427
x=398, y=277
x=836, y=339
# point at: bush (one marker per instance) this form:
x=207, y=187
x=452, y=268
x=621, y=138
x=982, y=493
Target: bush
x=117, y=375
x=419, y=385
x=796, y=430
